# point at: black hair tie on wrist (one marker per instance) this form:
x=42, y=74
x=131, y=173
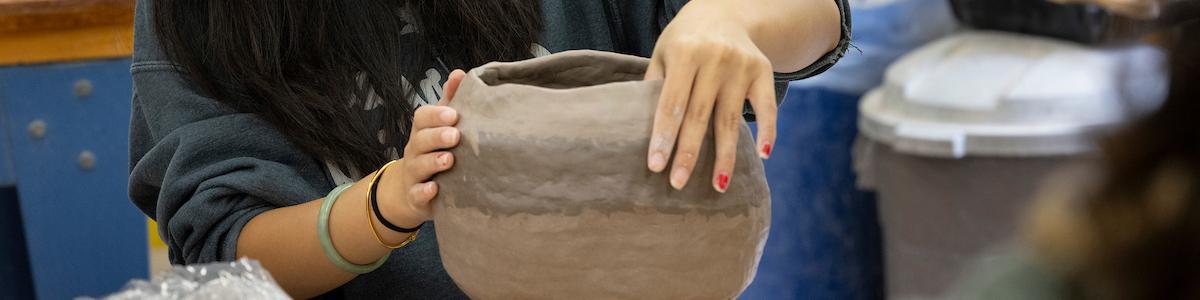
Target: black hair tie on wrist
x=379, y=215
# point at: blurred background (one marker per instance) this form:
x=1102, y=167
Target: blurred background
x=911, y=161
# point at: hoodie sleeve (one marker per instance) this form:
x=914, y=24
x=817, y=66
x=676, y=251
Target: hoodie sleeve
x=201, y=169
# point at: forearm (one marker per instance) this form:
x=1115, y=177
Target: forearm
x=793, y=34
x=285, y=241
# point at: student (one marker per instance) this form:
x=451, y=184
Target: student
x=246, y=114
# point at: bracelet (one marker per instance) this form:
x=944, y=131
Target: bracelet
x=373, y=201
x=327, y=242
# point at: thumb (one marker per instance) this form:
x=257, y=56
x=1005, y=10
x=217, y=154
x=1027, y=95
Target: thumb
x=451, y=87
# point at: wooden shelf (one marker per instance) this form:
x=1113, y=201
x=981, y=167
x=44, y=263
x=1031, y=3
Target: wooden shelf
x=41, y=31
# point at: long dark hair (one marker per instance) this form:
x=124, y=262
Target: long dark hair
x=301, y=65
x=1136, y=235
x=1147, y=212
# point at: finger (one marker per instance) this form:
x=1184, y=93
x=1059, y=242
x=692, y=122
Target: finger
x=695, y=125
x=429, y=116
x=420, y=194
x=432, y=139
x=727, y=121
x=762, y=100
x=668, y=116
x=655, y=70
x=421, y=168
x=451, y=87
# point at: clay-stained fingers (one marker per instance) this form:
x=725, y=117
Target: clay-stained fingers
x=451, y=87
x=766, y=110
x=429, y=116
x=669, y=114
x=432, y=139
x=695, y=125
x=420, y=168
x=727, y=122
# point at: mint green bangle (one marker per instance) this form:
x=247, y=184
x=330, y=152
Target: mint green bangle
x=327, y=242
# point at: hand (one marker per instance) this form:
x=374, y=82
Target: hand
x=711, y=66
x=432, y=133
x=1140, y=9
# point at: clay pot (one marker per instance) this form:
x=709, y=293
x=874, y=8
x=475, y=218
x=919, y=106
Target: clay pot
x=550, y=196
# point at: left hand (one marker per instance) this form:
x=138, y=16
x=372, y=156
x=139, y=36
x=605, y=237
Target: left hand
x=711, y=66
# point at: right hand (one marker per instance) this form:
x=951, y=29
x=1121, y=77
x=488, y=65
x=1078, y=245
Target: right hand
x=406, y=189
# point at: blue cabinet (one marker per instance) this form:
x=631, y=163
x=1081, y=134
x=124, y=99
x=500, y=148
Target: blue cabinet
x=66, y=153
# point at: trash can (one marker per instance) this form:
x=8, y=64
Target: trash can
x=824, y=241
x=963, y=131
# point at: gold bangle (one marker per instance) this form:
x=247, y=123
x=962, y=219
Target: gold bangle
x=370, y=215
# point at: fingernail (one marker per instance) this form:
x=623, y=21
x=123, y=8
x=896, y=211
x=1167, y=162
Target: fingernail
x=766, y=151
x=448, y=135
x=657, y=162
x=444, y=159
x=447, y=115
x=679, y=178
x=429, y=187
x=722, y=182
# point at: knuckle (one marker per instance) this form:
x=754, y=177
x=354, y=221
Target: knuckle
x=418, y=164
x=731, y=56
x=686, y=43
x=752, y=66
x=424, y=110
x=427, y=137
x=431, y=161
x=672, y=113
x=699, y=116
x=728, y=121
x=675, y=53
x=761, y=65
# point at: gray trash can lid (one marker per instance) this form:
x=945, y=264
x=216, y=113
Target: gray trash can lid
x=985, y=93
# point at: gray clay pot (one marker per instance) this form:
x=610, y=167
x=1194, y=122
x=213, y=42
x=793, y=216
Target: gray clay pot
x=550, y=197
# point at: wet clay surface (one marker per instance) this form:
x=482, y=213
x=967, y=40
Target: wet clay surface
x=550, y=196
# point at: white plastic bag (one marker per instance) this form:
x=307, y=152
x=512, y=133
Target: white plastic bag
x=241, y=279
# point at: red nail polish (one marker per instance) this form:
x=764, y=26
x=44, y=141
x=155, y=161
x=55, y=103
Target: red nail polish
x=766, y=149
x=722, y=181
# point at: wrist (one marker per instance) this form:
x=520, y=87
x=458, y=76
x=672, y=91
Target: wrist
x=747, y=19
x=394, y=204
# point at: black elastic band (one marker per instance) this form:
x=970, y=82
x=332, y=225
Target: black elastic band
x=379, y=215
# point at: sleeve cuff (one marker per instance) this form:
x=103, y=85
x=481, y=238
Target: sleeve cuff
x=829, y=59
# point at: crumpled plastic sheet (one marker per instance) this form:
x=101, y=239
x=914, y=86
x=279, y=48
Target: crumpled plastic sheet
x=241, y=279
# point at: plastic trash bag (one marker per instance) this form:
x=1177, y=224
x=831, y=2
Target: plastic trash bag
x=241, y=279
x=1088, y=24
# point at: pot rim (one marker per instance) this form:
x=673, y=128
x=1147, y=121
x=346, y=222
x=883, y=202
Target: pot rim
x=574, y=58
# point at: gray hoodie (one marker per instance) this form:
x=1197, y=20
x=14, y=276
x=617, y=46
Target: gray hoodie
x=203, y=170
